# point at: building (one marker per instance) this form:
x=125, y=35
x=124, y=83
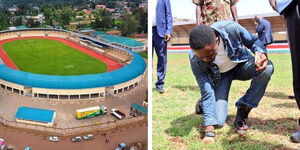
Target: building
x=35, y=116
x=100, y=7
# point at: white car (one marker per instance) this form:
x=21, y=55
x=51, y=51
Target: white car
x=2, y=144
x=53, y=138
x=88, y=137
x=76, y=139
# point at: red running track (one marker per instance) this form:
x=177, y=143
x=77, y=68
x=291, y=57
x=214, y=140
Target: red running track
x=5, y=58
x=110, y=63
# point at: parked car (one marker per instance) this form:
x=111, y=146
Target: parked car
x=76, y=139
x=88, y=137
x=27, y=148
x=53, y=138
x=9, y=147
x=118, y=114
x=122, y=146
x=2, y=144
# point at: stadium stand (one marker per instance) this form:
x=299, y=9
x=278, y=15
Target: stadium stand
x=73, y=87
x=123, y=42
x=119, y=55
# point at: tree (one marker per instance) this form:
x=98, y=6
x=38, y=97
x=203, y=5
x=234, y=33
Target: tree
x=106, y=22
x=129, y=26
x=4, y=23
x=142, y=16
x=18, y=21
x=30, y=23
x=66, y=15
x=96, y=24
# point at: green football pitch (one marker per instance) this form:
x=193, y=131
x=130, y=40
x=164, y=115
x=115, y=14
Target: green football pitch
x=44, y=56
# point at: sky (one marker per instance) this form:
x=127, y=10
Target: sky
x=186, y=9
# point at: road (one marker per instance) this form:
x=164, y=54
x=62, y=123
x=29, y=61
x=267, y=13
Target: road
x=19, y=139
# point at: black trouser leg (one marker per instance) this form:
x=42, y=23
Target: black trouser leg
x=293, y=25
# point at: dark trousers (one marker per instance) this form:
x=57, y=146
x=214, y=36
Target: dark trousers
x=160, y=46
x=292, y=18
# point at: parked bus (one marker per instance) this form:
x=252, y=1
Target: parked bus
x=90, y=112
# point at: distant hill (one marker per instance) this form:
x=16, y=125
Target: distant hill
x=9, y=3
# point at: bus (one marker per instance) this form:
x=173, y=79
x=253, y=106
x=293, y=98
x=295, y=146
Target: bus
x=90, y=112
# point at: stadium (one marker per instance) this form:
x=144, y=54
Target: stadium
x=54, y=64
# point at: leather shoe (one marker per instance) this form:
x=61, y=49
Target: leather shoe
x=160, y=90
x=296, y=137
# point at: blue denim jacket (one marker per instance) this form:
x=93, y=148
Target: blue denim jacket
x=236, y=38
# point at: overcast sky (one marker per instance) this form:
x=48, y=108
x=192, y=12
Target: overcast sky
x=186, y=9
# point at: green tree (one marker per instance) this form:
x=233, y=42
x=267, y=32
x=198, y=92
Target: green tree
x=142, y=16
x=97, y=23
x=30, y=23
x=106, y=22
x=18, y=21
x=129, y=26
x=4, y=23
x=66, y=15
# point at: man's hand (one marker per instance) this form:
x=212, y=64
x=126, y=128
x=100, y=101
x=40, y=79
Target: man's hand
x=255, y=23
x=167, y=37
x=261, y=61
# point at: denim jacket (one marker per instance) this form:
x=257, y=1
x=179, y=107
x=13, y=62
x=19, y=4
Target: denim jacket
x=236, y=38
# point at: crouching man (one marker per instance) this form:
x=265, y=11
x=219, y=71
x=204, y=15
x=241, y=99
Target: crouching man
x=220, y=54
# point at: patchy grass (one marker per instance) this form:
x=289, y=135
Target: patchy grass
x=175, y=125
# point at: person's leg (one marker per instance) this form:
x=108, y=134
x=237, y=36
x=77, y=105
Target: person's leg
x=160, y=46
x=293, y=22
x=259, y=82
x=254, y=94
x=221, y=92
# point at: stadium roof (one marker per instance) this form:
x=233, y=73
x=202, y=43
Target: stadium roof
x=182, y=28
x=21, y=27
x=35, y=114
x=121, y=40
x=124, y=74
x=139, y=108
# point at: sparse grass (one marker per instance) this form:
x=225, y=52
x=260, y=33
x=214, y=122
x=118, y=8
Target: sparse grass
x=44, y=56
x=175, y=125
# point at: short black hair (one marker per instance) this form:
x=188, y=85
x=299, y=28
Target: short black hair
x=200, y=36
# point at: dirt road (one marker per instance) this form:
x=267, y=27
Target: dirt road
x=19, y=139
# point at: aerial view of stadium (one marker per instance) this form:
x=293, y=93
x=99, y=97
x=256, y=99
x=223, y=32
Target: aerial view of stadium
x=62, y=85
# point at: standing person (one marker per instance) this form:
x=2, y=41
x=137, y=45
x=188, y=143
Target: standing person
x=162, y=27
x=217, y=58
x=290, y=9
x=210, y=11
x=264, y=30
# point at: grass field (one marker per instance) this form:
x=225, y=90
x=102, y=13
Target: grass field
x=44, y=56
x=144, y=54
x=175, y=125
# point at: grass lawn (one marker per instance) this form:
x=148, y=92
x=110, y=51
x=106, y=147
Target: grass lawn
x=144, y=54
x=175, y=125
x=44, y=56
